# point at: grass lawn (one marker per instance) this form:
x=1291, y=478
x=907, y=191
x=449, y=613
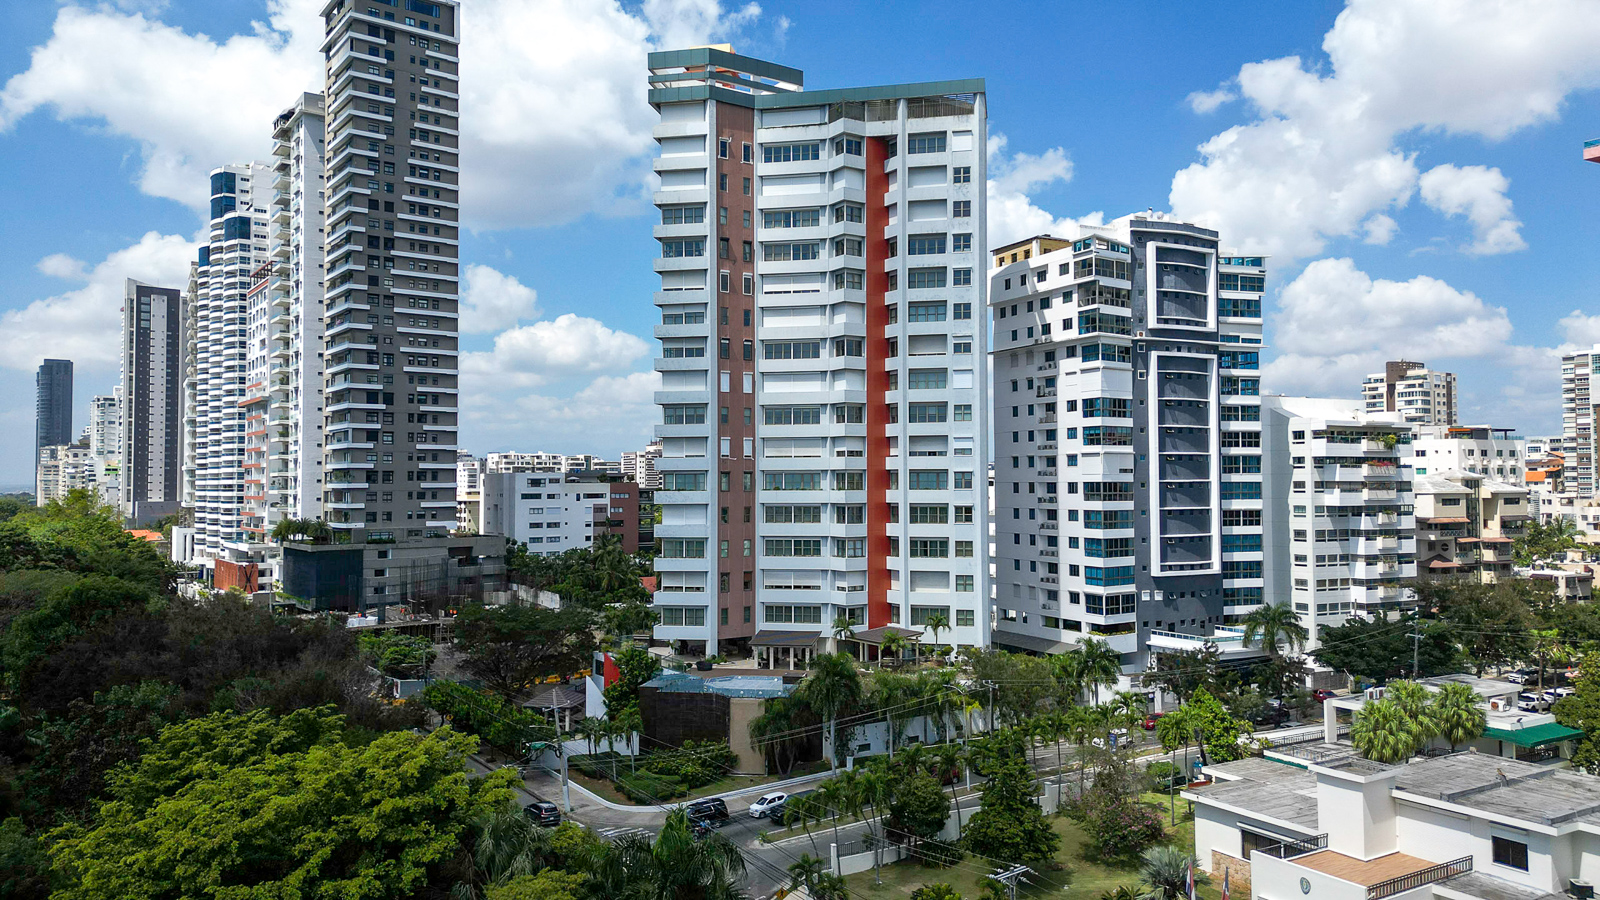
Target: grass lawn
x=1083, y=874
x=607, y=789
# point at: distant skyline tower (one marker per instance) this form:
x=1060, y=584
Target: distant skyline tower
x=53, y=407
x=152, y=355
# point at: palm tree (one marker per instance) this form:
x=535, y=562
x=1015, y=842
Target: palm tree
x=1099, y=665
x=1381, y=731
x=1166, y=870
x=839, y=796
x=804, y=872
x=1416, y=702
x=1068, y=670
x=505, y=845
x=1457, y=714
x=935, y=623
x=842, y=630
x=592, y=730
x=675, y=867
x=893, y=646
x=950, y=758
x=872, y=791
x=630, y=723
x=1547, y=648
x=914, y=758
x=1273, y=624
x=832, y=689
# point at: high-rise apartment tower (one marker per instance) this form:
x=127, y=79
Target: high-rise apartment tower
x=1578, y=419
x=823, y=432
x=53, y=403
x=152, y=395
x=1127, y=437
x=391, y=288
x=218, y=372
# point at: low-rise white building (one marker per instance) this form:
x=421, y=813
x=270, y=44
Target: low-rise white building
x=1453, y=827
x=1478, y=450
x=552, y=512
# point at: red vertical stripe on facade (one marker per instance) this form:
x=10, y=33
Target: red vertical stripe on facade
x=737, y=125
x=877, y=351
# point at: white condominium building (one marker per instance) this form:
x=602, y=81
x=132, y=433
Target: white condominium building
x=824, y=381
x=639, y=466
x=1338, y=517
x=218, y=345
x=1497, y=453
x=1421, y=396
x=1578, y=419
x=1127, y=437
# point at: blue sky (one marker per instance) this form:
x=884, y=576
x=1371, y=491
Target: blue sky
x=1413, y=166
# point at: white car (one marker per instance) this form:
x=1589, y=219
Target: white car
x=769, y=805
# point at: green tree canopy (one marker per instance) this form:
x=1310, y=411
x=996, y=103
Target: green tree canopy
x=510, y=647
x=1222, y=735
x=1010, y=826
x=1380, y=650
x=918, y=807
x=1582, y=711
x=271, y=807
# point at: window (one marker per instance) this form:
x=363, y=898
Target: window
x=930, y=548
x=782, y=153
x=938, y=514
x=961, y=175
x=1507, y=852
x=963, y=481
x=922, y=278
x=965, y=618
x=1106, y=407
x=682, y=215
x=847, y=146
x=722, y=148
x=849, y=481
x=683, y=481
x=963, y=412
x=792, y=415
x=791, y=218
x=960, y=310
x=680, y=249
x=683, y=415
x=961, y=209
x=1228, y=281
x=925, y=312
x=791, y=349
x=691, y=616
x=771, y=252
x=793, y=547
x=930, y=480
x=924, y=244
x=791, y=615
x=924, y=413
x=849, y=212
x=963, y=278
x=963, y=549
x=927, y=379
x=683, y=548
x=792, y=481
x=926, y=143
x=960, y=242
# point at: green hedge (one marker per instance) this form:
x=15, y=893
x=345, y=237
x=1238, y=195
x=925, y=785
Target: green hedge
x=648, y=787
x=695, y=764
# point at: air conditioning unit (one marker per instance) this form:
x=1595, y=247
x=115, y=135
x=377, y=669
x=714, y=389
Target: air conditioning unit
x=1375, y=693
x=1583, y=890
x=1499, y=704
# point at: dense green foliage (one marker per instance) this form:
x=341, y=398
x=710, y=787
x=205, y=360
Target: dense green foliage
x=1582, y=711
x=1205, y=722
x=1010, y=826
x=510, y=648
x=500, y=724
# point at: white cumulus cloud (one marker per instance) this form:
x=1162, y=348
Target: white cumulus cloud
x=85, y=323
x=1479, y=194
x=531, y=355
x=554, y=117
x=492, y=300
x=1208, y=101
x=1012, y=177
x=1324, y=152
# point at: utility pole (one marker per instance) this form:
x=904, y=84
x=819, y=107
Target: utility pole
x=1416, y=647
x=1010, y=878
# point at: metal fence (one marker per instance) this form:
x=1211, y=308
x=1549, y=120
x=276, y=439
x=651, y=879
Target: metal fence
x=1418, y=879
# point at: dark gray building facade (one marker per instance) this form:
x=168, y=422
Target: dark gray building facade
x=53, y=406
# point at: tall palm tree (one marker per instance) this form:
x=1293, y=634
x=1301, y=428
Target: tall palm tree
x=1457, y=714
x=1166, y=870
x=873, y=792
x=913, y=758
x=842, y=630
x=838, y=795
x=1099, y=665
x=935, y=623
x=950, y=758
x=833, y=688
x=1272, y=625
x=1068, y=671
x=1381, y=731
x=1547, y=648
x=674, y=867
x=592, y=730
x=630, y=723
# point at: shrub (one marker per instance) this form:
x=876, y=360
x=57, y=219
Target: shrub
x=937, y=854
x=648, y=787
x=1122, y=828
x=695, y=764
